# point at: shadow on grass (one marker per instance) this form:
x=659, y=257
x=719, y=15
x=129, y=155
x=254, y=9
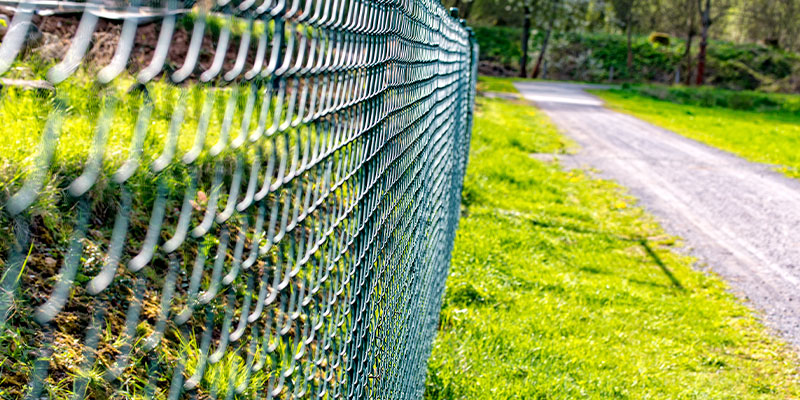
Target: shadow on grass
x=612, y=236
x=646, y=245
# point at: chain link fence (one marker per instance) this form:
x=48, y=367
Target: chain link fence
x=230, y=199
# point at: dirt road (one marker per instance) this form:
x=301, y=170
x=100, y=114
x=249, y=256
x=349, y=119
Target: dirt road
x=739, y=218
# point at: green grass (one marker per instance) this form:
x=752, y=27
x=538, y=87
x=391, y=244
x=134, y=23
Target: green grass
x=770, y=137
x=707, y=96
x=562, y=288
x=502, y=84
x=79, y=103
x=488, y=83
x=24, y=114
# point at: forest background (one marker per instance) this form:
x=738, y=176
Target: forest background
x=732, y=44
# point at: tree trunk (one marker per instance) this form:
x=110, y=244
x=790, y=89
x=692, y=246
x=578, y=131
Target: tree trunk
x=526, y=30
x=466, y=10
x=538, y=68
x=687, y=53
x=705, y=19
x=630, y=48
x=701, y=58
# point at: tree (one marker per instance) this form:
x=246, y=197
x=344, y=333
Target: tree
x=690, y=34
x=625, y=11
x=705, y=24
x=773, y=22
x=526, y=30
x=553, y=14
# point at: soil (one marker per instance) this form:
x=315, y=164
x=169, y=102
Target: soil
x=58, y=31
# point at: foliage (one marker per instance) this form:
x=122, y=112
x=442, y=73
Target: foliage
x=625, y=13
x=589, y=57
x=659, y=38
x=499, y=44
x=772, y=22
x=751, y=67
x=759, y=127
x=711, y=97
x=560, y=288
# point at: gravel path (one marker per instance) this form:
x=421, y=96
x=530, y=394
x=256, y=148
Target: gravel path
x=737, y=217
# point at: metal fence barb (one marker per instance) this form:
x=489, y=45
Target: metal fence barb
x=277, y=221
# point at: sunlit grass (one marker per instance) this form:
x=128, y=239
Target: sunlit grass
x=496, y=84
x=562, y=288
x=771, y=137
x=79, y=103
x=502, y=84
x=24, y=114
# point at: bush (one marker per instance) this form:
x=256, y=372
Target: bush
x=589, y=56
x=714, y=97
x=659, y=38
x=500, y=44
x=742, y=101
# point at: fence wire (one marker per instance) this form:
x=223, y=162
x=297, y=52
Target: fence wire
x=262, y=203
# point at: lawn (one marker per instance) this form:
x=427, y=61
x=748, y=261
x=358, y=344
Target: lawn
x=502, y=84
x=25, y=114
x=497, y=84
x=77, y=107
x=561, y=287
x=757, y=133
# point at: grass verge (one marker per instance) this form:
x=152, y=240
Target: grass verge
x=762, y=136
x=496, y=84
x=561, y=287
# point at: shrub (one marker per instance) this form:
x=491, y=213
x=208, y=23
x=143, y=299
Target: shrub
x=589, y=56
x=715, y=97
x=741, y=101
x=659, y=38
x=500, y=44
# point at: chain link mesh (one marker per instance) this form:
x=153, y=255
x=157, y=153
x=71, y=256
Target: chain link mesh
x=264, y=208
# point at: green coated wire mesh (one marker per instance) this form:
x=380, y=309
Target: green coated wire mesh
x=230, y=199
